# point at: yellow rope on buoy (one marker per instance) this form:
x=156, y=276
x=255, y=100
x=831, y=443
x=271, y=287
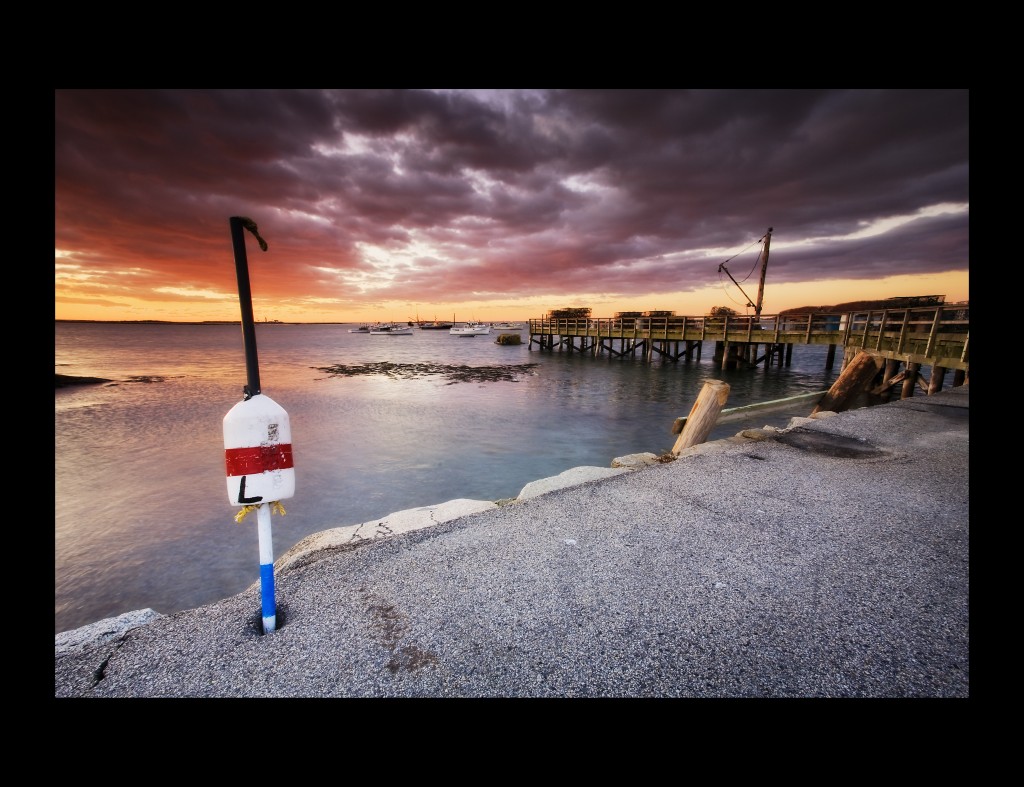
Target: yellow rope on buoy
x=275, y=508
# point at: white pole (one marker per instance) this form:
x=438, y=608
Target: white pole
x=266, y=568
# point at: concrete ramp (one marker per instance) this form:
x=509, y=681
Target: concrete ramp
x=574, y=476
x=392, y=524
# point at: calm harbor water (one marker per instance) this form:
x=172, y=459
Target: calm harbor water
x=379, y=424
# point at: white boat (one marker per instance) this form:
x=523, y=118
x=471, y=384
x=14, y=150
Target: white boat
x=470, y=329
x=364, y=328
x=391, y=329
x=507, y=326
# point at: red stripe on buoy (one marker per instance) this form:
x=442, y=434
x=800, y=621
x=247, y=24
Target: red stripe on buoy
x=258, y=459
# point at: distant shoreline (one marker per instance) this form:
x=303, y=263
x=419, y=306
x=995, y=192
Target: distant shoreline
x=64, y=380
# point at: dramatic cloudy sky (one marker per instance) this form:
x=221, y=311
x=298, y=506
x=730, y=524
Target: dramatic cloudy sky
x=492, y=204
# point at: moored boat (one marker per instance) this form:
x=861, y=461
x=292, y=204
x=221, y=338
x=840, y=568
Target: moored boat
x=472, y=328
x=507, y=326
x=435, y=326
x=391, y=329
x=364, y=328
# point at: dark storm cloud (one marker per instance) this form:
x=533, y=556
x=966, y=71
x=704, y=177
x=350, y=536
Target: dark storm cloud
x=616, y=191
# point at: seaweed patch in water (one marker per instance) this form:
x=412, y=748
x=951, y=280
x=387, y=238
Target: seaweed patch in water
x=148, y=378
x=454, y=374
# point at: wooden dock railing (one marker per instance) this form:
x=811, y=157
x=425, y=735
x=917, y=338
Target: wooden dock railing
x=932, y=335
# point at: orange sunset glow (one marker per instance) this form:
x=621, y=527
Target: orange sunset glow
x=504, y=204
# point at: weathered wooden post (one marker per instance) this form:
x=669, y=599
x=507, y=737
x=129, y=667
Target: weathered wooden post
x=910, y=381
x=703, y=415
x=891, y=367
x=830, y=359
x=853, y=380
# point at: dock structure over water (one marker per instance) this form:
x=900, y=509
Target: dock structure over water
x=936, y=336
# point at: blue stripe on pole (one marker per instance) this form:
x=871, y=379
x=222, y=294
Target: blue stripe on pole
x=267, y=590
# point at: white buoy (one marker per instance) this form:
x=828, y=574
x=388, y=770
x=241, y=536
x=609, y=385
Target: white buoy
x=258, y=452
x=260, y=471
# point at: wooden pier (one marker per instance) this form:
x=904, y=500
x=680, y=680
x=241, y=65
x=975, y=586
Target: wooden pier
x=901, y=341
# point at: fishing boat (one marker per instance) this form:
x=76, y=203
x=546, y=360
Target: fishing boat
x=436, y=325
x=391, y=329
x=472, y=328
x=364, y=328
x=507, y=326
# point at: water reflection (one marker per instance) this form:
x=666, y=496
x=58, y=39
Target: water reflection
x=142, y=517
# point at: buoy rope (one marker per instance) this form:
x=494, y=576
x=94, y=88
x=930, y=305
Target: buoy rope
x=275, y=508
